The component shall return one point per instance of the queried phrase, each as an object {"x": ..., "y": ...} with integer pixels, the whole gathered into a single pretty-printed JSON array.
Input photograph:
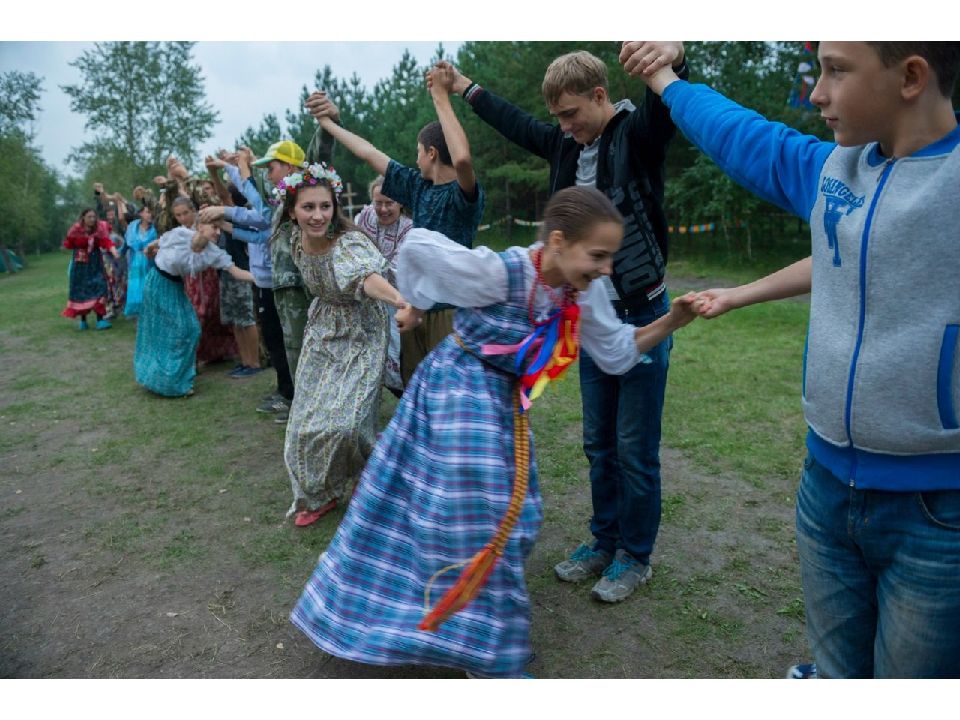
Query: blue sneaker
[
  {"x": 245, "y": 372},
  {"x": 103, "y": 325},
  {"x": 82, "y": 325},
  {"x": 803, "y": 671}
]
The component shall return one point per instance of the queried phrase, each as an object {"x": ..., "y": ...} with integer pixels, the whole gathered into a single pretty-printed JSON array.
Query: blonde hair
[
  {"x": 577, "y": 73},
  {"x": 377, "y": 182}
]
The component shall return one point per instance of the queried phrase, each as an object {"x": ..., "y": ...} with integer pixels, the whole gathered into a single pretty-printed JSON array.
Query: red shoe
[{"x": 309, "y": 517}]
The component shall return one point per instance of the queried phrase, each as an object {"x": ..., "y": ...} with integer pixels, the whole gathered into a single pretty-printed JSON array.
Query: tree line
[{"x": 145, "y": 100}]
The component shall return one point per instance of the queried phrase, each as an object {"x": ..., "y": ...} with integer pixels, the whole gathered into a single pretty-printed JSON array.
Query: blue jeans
[
  {"x": 621, "y": 439},
  {"x": 881, "y": 578}
]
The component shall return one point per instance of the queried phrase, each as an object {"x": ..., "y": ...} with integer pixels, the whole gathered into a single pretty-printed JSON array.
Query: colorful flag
[{"x": 805, "y": 79}]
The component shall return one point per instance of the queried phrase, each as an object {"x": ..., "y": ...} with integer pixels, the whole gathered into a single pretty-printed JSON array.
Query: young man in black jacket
[{"x": 619, "y": 149}]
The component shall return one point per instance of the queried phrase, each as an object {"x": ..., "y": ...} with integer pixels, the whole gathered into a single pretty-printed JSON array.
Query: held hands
[
  {"x": 652, "y": 61},
  {"x": 159, "y": 180},
  {"x": 151, "y": 250},
  {"x": 322, "y": 107},
  {"x": 245, "y": 157},
  {"x": 408, "y": 317},
  {"x": 211, "y": 214},
  {"x": 214, "y": 163},
  {"x": 440, "y": 79},
  {"x": 230, "y": 158},
  {"x": 715, "y": 302},
  {"x": 98, "y": 187},
  {"x": 175, "y": 169},
  {"x": 684, "y": 309}
]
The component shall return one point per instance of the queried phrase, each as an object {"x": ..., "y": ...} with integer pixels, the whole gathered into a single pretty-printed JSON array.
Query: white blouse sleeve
[
  {"x": 211, "y": 256},
  {"x": 609, "y": 341},
  {"x": 432, "y": 269},
  {"x": 178, "y": 258}
]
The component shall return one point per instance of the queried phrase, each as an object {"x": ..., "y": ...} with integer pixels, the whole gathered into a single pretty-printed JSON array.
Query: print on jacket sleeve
[{"x": 840, "y": 201}]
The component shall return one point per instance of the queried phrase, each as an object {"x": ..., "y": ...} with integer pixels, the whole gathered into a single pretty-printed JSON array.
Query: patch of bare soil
[{"x": 137, "y": 564}]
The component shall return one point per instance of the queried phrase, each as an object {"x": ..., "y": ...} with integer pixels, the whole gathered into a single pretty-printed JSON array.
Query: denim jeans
[
  {"x": 881, "y": 578},
  {"x": 621, "y": 439}
]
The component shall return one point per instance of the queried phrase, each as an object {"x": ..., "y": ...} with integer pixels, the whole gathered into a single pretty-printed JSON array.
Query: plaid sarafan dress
[{"x": 433, "y": 493}]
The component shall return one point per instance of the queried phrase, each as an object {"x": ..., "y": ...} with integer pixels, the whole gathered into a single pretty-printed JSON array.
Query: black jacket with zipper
[{"x": 630, "y": 171}]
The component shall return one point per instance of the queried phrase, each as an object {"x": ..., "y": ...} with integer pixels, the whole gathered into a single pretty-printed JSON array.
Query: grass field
[{"x": 144, "y": 537}]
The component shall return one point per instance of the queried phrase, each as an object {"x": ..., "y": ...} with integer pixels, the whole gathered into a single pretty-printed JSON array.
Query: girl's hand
[
  {"x": 683, "y": 310},
  {"x": 408, "y": 317}
]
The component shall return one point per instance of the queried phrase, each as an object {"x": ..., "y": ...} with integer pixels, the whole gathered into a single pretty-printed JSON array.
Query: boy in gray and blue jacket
[{"x": 878, "y": 508}]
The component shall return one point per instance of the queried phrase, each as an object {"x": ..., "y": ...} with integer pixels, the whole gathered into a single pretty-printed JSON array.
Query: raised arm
[
  {"x": 440, "y": 84},
  {"x": 516, "y": 125},
  {"x": 214, "y": 165},
  {"x": 320, "y": 107}
]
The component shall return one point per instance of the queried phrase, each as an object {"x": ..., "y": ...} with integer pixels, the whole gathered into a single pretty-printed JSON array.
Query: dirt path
[{"x": 135, "y": 544}]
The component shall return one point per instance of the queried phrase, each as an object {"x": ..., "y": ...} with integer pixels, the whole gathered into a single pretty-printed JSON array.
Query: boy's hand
[
  {"x": 408, "y": 317},
  {"x": 715, "y": 302},
  {"x": 321, "y": 106},
  {"x": 440, "y": 78},
  {"x": 460, "y": 81},
  {"x": 98, "y": 187},
  {"x": 645, "y": 57}
]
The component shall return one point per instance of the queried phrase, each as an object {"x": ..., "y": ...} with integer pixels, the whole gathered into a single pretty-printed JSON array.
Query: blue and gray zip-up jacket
[{"x": 881, "y": 377}]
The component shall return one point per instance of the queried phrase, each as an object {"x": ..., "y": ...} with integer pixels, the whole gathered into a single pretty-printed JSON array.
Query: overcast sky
[
  {"x": 243, "y": 80},
  {"x": 246, "y": 80}
]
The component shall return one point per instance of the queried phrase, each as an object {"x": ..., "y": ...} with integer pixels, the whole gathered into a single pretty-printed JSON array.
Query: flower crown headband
[{"x": 310, "y": 175}]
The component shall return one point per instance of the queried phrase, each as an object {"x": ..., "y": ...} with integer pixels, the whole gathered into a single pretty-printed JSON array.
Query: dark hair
[
  {"x": 943, "y": 58},
  {"x": 84, "y": 212},
  {"x": 574, "y": 211},
  {"x": 238, "y": 197},
  {"x": 341, "y": 223},
  {"x": 431, "y": 136}
]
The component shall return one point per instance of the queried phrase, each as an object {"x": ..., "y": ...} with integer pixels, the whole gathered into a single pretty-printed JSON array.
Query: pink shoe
[{"x": 309, "y": 517}]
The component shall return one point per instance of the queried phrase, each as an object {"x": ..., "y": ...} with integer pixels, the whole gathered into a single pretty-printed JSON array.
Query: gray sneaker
[
  {"x": 273, "y": 404},
  {"x": 583, "y": 563},
  {"x": 281, "y": 417},
  {"x": 621, "y": 578}
]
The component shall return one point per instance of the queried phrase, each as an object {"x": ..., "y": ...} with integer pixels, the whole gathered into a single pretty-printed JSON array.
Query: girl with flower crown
[
  {"x": 426, "y": 567},
  {"x": 332, "y": 425}
]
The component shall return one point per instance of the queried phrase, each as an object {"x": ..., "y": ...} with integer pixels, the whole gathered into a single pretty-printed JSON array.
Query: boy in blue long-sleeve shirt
[
  {"x": 878, "y": 508},
  {"x": 252, "y": 226}
]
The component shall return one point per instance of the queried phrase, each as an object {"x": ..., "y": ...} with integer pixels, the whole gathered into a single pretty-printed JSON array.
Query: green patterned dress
[{"x": 332, "y": 426}]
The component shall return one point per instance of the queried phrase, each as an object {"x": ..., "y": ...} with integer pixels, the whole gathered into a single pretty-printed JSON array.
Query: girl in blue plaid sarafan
[{"x": 450, "y": 479}]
